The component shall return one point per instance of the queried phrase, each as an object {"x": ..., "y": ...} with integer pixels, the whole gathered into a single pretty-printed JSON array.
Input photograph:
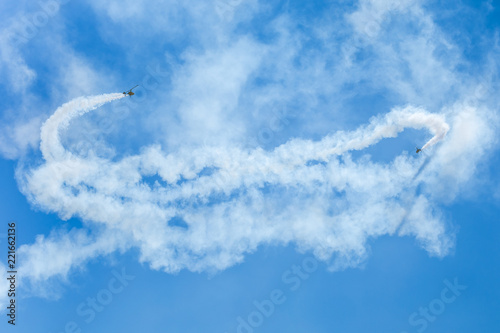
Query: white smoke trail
[
  {"x": 234, "y": 167},
  {"x": 50, "y": 144},
  {"x": 281, "y": 166},
  {"x": 439, "y": 133},
  {"x": 226, "y": 211},
  {"x": 389, "y": 126}
]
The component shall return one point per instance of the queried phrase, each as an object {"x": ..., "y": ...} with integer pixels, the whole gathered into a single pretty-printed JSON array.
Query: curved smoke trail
[
  {"x": 50, "y": 144},
  {"x": 388, "y": 126}
]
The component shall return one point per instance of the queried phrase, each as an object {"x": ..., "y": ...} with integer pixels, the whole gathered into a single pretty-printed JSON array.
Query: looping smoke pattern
[{"x": 204, "y": 209}]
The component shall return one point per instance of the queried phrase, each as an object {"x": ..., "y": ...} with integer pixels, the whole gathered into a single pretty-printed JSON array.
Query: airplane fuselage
[{"x": 130, "y": 93}]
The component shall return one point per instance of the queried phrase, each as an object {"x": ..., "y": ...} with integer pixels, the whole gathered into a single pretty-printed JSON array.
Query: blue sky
[{"x": 263, "y": 178}]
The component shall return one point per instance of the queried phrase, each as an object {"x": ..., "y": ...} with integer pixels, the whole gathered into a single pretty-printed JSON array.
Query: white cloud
[
  {"x": 470, "y": 140},
  {"x": 16, "y": 139},
  {"x": 208, "y": 89},
  {"x": 12, "y": 64}
]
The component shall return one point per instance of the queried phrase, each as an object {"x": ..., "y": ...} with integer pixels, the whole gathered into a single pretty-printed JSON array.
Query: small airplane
[
  {"x": 130, "y": 93},
  {"x": 418, "y": 150}
]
